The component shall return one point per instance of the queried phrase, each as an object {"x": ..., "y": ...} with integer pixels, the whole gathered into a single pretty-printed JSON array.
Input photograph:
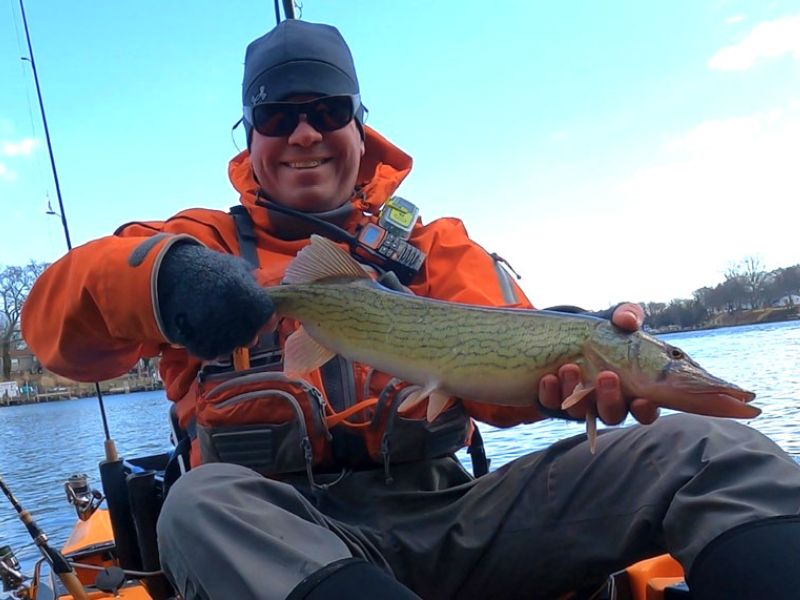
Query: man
[{"x": 358, "y": 500}]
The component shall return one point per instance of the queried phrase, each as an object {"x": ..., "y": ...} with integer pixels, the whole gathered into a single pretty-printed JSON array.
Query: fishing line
[{"x": 25, "y": 75}]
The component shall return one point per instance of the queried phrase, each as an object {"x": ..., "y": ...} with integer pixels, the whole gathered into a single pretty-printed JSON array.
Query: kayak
[{"x": 91, "y": 550}]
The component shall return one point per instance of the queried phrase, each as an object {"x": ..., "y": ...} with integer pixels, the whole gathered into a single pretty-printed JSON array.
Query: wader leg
[
  {"x": 350, "y": 579},
  {"x": 226, "y": 532},
  {"x": 758, "y": 559},
  {"x": 573, "y": 518}
]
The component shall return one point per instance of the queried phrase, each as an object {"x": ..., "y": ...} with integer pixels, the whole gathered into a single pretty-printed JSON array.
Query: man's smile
[{"x": 306, "y": 164}]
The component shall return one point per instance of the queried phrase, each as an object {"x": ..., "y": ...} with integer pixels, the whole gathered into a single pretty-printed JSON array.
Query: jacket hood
[{"x": 383, "y": 168}]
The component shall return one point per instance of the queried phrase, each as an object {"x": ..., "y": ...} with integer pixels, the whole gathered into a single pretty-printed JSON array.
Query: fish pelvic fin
[
  {"x": 322, "y": 259},
  {"x": 303, "y": 354},
  {"x": 591, "y": 427},
  {"x": 579, "y": 393}
]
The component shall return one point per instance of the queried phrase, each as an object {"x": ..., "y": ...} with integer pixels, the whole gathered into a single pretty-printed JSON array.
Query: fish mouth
[{"x": 718, "y": 402}]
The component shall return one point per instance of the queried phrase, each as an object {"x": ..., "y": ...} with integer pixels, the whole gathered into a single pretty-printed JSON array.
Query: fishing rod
[
  {"x": 288, "y": 10},
  {"x": 110, "y": 447},
  {"x": 58, "y": 563}
]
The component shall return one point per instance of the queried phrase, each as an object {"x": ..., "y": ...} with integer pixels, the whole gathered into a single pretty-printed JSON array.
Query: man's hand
[
  {"x": 209, "y": 302},
  {"x": 612, "y": 406}
]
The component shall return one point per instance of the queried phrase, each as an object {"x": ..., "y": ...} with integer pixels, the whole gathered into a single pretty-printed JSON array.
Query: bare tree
[
  {"x": 755, "y": 278},
  {"x": 15, "y": 285}
]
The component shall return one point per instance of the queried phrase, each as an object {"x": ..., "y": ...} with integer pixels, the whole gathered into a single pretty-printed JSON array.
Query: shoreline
[
  {"x": 48, "y": 387},
  {"x": 736, "y": 319}
]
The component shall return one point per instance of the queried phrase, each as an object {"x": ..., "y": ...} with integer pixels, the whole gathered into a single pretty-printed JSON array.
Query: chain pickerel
[{"x": 491, "y": 355}]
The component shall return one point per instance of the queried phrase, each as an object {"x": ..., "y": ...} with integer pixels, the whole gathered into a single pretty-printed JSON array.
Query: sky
[{"x": 609, "y": 151}]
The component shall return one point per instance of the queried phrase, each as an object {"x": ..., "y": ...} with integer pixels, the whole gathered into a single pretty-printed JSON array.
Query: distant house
[
  {"x": 788, "y": 300},
  {"x": 22, "y": 358}
]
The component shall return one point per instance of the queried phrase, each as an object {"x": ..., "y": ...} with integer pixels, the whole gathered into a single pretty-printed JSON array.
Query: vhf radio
[
  {"x": 389, "y": 238},
  {"x": 385, "y": 242}
]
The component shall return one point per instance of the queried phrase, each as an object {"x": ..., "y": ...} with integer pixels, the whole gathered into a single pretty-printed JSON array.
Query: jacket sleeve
[
  {"x": 92, "y": 314},
  {"x": 459, "y": 270}
]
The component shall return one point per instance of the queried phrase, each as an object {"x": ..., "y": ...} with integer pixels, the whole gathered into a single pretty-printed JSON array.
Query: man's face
[{"x": 308, "y": 170}]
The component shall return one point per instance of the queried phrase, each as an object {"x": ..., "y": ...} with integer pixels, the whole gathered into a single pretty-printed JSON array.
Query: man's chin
[{"x": 316, "y": 201}]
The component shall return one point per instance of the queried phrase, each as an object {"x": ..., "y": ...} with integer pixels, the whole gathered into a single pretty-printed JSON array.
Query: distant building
[
  {"x": 22, "y": 358},
  {"x": 788, "y": 300},
  {"x": 8, "y": 389}
]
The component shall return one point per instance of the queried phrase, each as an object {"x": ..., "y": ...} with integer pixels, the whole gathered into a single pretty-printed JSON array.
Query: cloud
[
  {"x": 711, "y": 194},
  {"x": 734, "y": 19},
  {"x": 770, "y": 39},
  {"x": 740, "y": 159},
  {"x": 24, "y": 147},
  {"x": 6, "y": 173},
  {"x": 728, "y": 187}
]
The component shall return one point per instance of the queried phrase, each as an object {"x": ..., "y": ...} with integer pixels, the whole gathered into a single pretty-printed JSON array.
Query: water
[{"x": 41, "y": 445}]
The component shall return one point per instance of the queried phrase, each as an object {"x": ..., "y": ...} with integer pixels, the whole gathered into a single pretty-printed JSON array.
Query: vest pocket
[{"x": 258, "y": 420}]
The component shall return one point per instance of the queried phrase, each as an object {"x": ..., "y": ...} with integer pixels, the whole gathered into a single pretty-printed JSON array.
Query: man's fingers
[
  {"x": 550, "y": 392},
  {"x": 569, "y": 375},
  {"x": 644, "y": 411},
  {"x": 628, "y": 316},
  {"x": 610, "y": 402},
  {"x": 554, "y": 389}
]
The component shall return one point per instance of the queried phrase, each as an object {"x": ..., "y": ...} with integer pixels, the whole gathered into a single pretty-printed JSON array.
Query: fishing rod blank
[{"x": 57, "y": 561}]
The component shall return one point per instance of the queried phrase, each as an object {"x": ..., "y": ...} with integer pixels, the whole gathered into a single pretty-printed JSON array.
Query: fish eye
[{"x": 676, "y": 353}]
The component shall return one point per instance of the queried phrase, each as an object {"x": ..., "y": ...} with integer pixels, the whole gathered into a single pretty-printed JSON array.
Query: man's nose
[{"x": 304, "y": 134}]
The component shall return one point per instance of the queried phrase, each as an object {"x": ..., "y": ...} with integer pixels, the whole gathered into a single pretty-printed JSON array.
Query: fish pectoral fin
[
  {"x": 579, "y": 393},
  {"x": 302, "y": 353},
  {"x": 436, "y": 405},
  {"x": 322, "y": 259}
]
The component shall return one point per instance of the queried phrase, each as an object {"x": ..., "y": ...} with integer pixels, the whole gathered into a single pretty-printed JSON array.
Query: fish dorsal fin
[
  {"x": 322, "y": 259},
  {"x": 303, "y": 354}
]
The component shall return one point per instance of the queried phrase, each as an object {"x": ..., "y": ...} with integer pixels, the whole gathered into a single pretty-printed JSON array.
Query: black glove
[{"x": 209, "y": 302}]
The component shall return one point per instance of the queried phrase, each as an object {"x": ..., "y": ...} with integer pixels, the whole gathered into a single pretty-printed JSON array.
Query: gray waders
[{"x": 544, "y": 524}]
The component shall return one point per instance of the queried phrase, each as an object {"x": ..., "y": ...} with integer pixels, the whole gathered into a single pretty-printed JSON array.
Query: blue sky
[{"x": 609, "y": 151}]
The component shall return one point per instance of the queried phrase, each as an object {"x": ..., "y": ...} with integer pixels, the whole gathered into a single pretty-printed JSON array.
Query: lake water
[{"x": 42, "y": 445}]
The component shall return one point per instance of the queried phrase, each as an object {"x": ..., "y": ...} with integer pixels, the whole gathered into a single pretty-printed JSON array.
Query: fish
[{"x": 484, "y": 354}]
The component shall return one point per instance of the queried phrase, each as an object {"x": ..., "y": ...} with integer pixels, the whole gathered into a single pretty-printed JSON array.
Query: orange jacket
[{"x": 93, "y": 313}]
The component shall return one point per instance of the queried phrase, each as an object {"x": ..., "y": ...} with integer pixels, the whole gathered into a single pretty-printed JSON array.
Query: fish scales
[{"x": 466, "y": 342}]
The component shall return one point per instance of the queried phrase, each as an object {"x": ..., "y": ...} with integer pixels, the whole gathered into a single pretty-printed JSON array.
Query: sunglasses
[{"x": 279, "y": 119}]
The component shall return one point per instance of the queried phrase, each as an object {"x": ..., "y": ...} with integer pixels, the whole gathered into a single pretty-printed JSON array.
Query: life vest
[{"x": 343, "y": 416}]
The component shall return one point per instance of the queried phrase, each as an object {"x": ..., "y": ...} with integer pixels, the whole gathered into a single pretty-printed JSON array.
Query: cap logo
[{"x": 260, "y": 97}]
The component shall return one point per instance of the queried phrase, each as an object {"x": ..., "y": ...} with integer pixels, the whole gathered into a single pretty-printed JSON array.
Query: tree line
[{"x": 747, "y": 286}]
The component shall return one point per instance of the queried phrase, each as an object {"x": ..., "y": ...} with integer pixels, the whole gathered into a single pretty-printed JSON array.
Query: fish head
[{"x": 663, "y": 373}]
